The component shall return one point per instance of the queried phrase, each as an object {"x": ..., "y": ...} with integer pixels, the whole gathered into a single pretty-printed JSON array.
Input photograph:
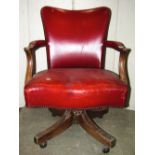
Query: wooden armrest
[
  {"x": 117, "y": 46},
  {"x": 123, "y": 73},
  {"x": 31, "y": 60}
]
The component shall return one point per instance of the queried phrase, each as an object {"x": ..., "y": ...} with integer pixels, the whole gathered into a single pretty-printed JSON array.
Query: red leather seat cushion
[{"x": 75, "y": 88}]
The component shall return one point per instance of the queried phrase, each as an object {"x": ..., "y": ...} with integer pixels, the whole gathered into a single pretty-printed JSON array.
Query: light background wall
[{"x": 121, "y": 29}]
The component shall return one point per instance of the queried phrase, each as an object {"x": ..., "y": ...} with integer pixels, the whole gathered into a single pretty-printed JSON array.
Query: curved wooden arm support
[
  {"x": 123, "y": 74},
  {"x": 31, "y": 60}
]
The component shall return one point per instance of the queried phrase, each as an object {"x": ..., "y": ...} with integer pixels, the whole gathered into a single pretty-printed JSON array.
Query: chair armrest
[
  {"x": 31, "y": 59},
  {"x": 123, "y": 73}
]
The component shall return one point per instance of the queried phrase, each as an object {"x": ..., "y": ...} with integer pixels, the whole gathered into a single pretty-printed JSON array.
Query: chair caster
[
  {"x": 106, "y": 149},
  {"x": 43, "y": 145}
]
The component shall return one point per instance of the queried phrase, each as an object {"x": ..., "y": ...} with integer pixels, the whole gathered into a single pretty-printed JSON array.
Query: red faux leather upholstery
[
  {"x": 75, "y": 88},
  {"x": 75, "y": 38}
]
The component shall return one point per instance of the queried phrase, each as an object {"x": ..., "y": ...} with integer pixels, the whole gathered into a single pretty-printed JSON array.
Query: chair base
[{"x": 85, "y": 122}]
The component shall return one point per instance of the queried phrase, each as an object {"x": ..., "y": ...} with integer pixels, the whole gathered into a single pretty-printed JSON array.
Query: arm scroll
[
  {"x": 123, "y": 74},
  {"x": 31, "y": 60}
]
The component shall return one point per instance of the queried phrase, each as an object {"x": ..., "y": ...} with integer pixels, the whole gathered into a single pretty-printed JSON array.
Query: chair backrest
[{"x": 75, "y": 38}]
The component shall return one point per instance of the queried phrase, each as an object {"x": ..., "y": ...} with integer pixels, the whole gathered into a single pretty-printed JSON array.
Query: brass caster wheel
[
  {"x": 43, "y": 145},
  {"x": 106, "y": 149}
]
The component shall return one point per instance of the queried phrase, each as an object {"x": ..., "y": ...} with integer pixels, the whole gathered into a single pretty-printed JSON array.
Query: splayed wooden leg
[
  {"x": 60, "y": 126},
  {"x": 94, "y": 130}
]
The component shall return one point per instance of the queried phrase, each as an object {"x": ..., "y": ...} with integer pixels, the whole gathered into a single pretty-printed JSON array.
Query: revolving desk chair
[{"x": 76, "y": 80}]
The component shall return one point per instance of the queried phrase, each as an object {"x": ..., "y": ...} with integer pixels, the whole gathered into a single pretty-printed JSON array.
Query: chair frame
[{"x": 81, "y": 116}]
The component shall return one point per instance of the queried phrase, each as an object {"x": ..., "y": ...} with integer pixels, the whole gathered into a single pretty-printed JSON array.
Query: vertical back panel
[{"x": 75, "y": 38}]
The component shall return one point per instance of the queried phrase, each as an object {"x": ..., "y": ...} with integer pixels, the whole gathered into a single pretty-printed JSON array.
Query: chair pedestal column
[{"x": 92, "y": 113}]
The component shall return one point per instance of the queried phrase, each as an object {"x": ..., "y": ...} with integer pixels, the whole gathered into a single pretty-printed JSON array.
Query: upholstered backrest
[{"x": 75, "y": 38}]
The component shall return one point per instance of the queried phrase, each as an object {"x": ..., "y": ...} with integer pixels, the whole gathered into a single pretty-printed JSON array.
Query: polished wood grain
[
  {"x": 118, "y": 46},
  {"x": 60, "y": 126},
  {"x": 94, "y": 130},
  {"x": 31, "y": 58},
  {"x": 30, "y": 66},
  {"x": 123, "y": 73}
]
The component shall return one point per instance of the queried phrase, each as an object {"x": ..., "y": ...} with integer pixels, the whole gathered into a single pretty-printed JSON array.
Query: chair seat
[{"x": 75, "y": 88}]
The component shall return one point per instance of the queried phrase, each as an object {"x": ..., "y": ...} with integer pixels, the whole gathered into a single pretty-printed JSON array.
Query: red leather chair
[{"x": 76, "y": 80}]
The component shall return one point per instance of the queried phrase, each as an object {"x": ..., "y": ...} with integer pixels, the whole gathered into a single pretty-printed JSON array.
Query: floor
[{"x": 75, "y": 141}]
